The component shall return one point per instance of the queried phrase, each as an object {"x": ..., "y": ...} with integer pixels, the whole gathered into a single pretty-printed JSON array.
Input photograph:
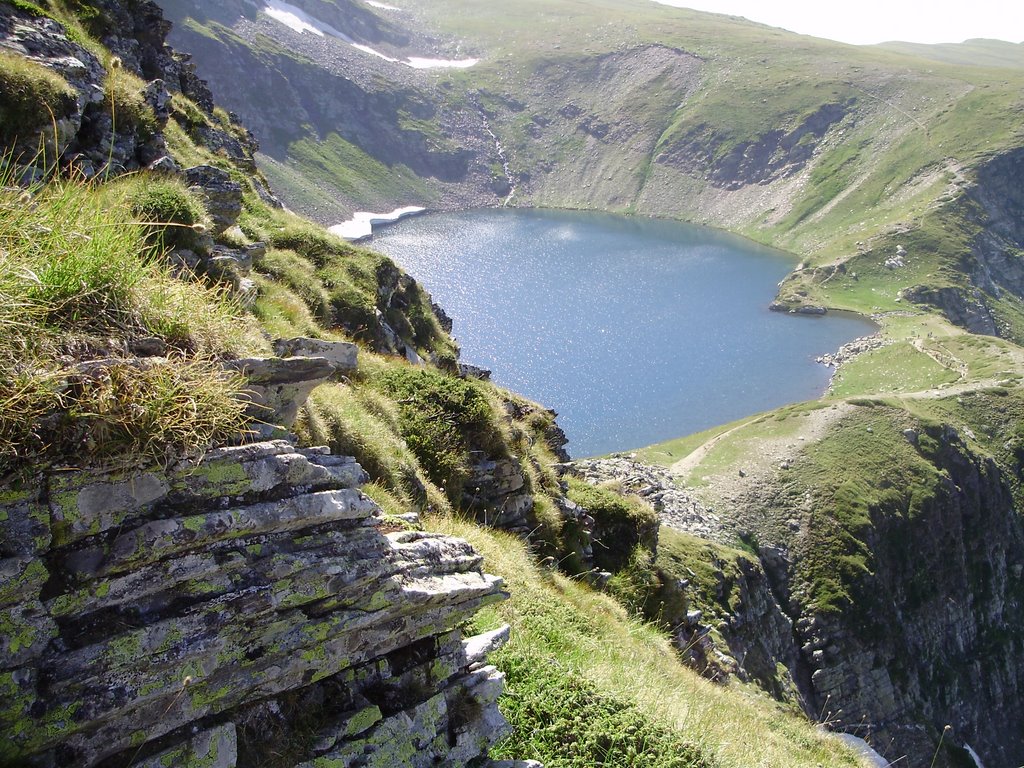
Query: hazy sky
[{"x": 876, "y": 21}]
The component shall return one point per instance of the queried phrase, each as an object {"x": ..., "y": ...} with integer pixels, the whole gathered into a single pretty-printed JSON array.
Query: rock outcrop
[
  {"x": 926, "y": 640},
  {"x": 929, "y": 640},
  {"x": 256, "y": 601},
  {"x": 967, "y": 308},
  {"x": 775, "y": 154},
  {"x": 103, "y": 129},
  {"x": 252, "y": 606},
  {"x": 675, "y": 507}
]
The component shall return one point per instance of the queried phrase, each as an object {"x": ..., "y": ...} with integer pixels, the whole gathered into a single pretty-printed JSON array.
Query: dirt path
[
  {"x": 943, "y": 357},
  {"x": 686, "y": 464},
  {"x": 763, "y": 455},
  {"x": 763, "y": 458}
]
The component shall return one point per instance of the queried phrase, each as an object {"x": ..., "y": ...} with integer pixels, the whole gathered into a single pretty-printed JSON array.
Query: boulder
[
  {"x": 342, "y": 355},
  {"x": 468, "y": 371},
  {"x": 278, "y": 387},
  {"x": 222, "y": 196}
]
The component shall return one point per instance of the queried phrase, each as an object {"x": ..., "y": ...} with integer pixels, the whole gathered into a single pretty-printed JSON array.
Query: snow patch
[
  {"x": 372, "y": 52},
  {"x": 865, "y": 750},
  {"x": 382, "y": 6},
  {"x": 298, "y": 20},
  {"x": 974, "y": 756},
  {"x": 362, "y": 222}
]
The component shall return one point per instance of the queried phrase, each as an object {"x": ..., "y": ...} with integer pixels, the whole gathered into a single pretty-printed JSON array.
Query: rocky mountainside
[
  {"x": 634, "y": 107},
  {"x": 879, "y": 642},
  {"x": 244, "y": 605}
]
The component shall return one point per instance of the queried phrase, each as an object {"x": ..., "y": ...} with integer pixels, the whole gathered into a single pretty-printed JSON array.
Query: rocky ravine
[{"x": 929, "y": 640}]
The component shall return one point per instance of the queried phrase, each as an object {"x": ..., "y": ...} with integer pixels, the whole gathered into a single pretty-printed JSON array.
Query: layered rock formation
[{"x": 254, "y": 604}]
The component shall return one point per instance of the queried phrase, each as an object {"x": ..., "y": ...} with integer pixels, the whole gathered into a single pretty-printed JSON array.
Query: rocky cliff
[
  {"x": 883, "y": 603},
  {"x": 252, "y": 608},
  {"x": 249, "y": 605},
  {"x": 378, "y": 132}
]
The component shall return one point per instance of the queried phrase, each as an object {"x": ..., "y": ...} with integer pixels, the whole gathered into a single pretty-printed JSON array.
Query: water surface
[{"x": 635, "y": 330}]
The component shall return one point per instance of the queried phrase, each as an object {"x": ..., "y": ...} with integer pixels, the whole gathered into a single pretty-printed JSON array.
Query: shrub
[
  {"x": 442, "y": 418},
  {"x": 32, "y": 97},
  {"x": 622, "y": 524},
  {"x": 171, "y": 215}
]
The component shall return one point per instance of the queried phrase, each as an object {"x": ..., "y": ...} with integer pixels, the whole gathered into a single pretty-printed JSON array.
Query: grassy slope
[
  {"x": 848, "y": 452},
  {"x": 309, "y": 283},
  {"x": 576, "y": 634}
]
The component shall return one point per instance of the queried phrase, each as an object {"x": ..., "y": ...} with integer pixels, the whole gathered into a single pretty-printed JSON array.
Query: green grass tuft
[
  {"x": 622, "y": 524},
  {"x": 173, "y": 217},
  {"x": 32, "y": 97},
  {"x": 79, "y": 283},
  {"x": 441, "y": 419}
]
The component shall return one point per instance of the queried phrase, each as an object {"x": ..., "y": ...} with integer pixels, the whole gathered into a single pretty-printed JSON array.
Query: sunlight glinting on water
[{"x": 634, "y": 330}]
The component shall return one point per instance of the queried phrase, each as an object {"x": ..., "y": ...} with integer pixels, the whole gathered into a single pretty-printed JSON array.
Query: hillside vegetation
[{"x": 144, "y": 259}]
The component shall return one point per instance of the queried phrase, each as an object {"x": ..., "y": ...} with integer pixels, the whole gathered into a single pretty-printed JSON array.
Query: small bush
[
  {"x": 171, "y": 215},
  {"x": 441, "y": 419},
  {"x": 32, "y": 97},
  {"x": 622, "y": 524}
]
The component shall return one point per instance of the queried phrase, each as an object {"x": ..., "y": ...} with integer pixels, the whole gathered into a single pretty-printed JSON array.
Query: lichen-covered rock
[
  {"x": 174, "y": 610},
  {"x": 82, "y": 133},
  {"x": 222, "y": 196},
  {"x": 215, "y": 748},
  {"x": 342, "y": 355},
  {"x": 278, "y": 387}
]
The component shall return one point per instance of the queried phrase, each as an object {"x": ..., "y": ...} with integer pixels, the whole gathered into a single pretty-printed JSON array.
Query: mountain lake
[{"x": 634, "y": 330}]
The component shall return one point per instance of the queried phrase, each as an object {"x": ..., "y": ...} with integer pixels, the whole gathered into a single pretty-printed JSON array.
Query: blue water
[{"x": 635, "y": 330}]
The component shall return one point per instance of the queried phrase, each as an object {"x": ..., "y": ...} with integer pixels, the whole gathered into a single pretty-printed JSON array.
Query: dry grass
[{"x": 79, "y": 282}]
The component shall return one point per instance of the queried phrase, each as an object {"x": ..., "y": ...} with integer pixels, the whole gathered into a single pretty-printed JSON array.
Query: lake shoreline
[{"x": 635, "y": 329}]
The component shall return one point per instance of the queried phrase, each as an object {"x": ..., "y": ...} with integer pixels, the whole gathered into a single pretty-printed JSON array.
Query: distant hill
[{"x": 978, "y": 52}]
